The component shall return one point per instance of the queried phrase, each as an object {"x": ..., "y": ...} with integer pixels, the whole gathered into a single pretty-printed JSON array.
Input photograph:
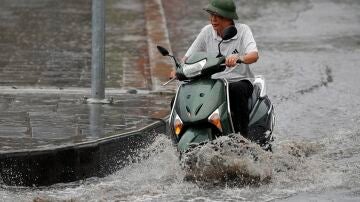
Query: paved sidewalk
[
  {"x": 32, "y": 121},
  {"x": 45, "y": 52}
]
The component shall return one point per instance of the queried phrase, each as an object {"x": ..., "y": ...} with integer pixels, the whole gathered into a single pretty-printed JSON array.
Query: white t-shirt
[{"x": 242, "y": 43}]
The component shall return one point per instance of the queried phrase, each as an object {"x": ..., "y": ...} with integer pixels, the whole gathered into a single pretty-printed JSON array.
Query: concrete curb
[
  {"x": 70, "y": 163},
  {"x": 43, "y": 167}
]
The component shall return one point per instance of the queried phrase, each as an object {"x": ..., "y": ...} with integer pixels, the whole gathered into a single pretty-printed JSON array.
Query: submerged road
[{"x": 309, "y": 53}]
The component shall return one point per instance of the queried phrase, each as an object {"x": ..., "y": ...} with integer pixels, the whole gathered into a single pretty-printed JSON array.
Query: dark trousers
[{"x": 239, "y": 95}]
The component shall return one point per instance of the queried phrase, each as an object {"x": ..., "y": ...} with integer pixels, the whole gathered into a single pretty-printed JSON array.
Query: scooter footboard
[{"x": 194, "y": 135}]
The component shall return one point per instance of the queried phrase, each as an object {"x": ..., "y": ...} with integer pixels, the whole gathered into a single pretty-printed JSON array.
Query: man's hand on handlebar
[
  {"x": 172, "y": 74},
  {"x": 233, "y": 59}
]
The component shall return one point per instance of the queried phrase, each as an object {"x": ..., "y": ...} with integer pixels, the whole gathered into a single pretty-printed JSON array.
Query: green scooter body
[{"x": 195, "y": 102}]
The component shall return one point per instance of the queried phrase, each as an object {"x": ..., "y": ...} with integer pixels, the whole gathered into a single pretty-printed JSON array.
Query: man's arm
[{"x": 248, "y": 58}]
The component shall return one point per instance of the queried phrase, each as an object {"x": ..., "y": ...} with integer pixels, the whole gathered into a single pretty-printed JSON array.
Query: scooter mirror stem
[
  {"x": 219, "y": 54},
  {"x": 176, "y": 62}
]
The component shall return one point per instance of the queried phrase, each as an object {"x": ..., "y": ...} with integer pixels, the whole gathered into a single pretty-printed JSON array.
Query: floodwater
[{"x": 310, "y": 55}]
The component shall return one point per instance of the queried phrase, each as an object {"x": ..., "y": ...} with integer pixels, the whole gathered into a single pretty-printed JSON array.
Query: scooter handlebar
[{"x": 238, "y": 61}]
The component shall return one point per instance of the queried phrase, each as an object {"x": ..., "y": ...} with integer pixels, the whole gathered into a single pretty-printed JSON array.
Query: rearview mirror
[
  {"x": 229, "y": 32},
  {"x": 163, "y": 51}
]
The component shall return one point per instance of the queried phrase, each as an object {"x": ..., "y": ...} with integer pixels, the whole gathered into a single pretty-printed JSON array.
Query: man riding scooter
[{"x": 240, "y": 47}]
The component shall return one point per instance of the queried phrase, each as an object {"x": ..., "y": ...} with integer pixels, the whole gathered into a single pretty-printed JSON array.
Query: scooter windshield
[{"x": 192, "y": 70}]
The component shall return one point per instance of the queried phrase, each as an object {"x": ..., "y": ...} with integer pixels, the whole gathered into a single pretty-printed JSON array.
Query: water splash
[
  {"x": 230, "y": 160},
  {"x": 235, "y": 161},
  {"x": 291, "y": 155},
  {"x": 227, "y": 168}
]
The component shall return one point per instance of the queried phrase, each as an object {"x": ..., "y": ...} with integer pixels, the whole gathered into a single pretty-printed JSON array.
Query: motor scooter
[{"x": 201, "y": 108}]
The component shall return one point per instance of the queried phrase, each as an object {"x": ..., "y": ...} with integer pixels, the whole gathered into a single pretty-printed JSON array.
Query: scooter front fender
[{"x": 193, "y": 135}]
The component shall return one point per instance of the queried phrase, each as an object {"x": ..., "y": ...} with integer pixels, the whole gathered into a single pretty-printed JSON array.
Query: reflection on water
[{"x": 96, "y": 120}]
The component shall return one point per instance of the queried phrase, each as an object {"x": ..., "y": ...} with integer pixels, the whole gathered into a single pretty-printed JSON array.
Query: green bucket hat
[{"x": 223, "y": 8}]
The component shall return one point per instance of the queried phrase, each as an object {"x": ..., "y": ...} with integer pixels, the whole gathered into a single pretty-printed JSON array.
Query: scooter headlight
[
  {"x": 192, "y": 70},
  {"x": 178, "y": 125},
  {"x": 214, "y": 118}
]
